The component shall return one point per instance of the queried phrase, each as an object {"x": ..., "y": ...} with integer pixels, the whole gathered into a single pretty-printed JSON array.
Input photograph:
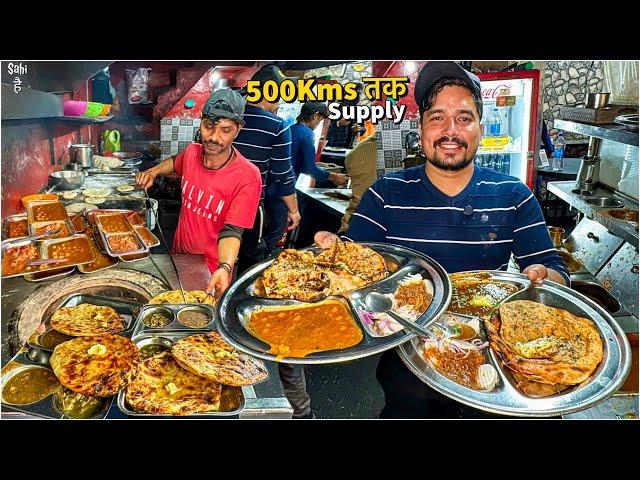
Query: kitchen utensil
[
  {"x": 597, "y": 100},
  {"x": 556, "y": 236},
  {"x": 82, "y": 153},
  {"x": 68, "y": 179},
  {"x": 377, "y": 302}
]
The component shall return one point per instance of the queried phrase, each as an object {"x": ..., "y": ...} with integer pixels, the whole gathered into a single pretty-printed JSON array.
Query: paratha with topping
[
  {"x": 97, "y": 366},
  {"x": 209, "y": 356},
  {"x": 545, "y": 344},
  {"x": 163, "y": 387},
  {"x": 175, "y": 297},
  {"x": 85, "y": 320}
]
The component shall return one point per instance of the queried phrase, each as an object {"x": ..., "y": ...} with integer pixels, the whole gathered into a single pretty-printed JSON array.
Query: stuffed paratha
[
  {"x": 161, "y": 386},
  {"x": 175, "y": 297},
  {"x": 97, "y": 366},
  {"x": 87, "y": 320},
  {"x": 545, "y": 344},
  {"x": 209, "y": 356}
]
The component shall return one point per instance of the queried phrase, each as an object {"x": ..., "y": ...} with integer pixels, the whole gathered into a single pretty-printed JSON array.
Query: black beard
[{"x": 453, "y": 167}]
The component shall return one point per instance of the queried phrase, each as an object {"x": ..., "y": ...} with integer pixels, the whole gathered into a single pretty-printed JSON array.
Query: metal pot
[
  {"x": 597, "y": 100},
  {"x": 68, "y": 179},
  {"x": 83, "y": 154}
]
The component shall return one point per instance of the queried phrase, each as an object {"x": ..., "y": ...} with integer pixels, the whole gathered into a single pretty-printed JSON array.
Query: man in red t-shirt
[{"x": 220, "y": 189}]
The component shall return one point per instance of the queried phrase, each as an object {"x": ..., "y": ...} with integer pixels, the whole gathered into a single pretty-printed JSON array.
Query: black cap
[
  {"x": 270, "y": 72},
  {"x": 225, "y": 103},
  {"x": 309, "y": 108},
  {"x": 434, "y": 71}
]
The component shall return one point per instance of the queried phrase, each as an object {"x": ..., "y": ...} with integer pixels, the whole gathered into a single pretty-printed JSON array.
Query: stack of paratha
[
  {"x": 87, "y": 320},
  {"x": 175, "y": 297},
  {"x": 549, "y": 349},
  {"x": 97, "y": 366},
  {"x": 164, "y": 387},
  {"x": 189, "y": 379},
  {"x": 341, "y": 268}
]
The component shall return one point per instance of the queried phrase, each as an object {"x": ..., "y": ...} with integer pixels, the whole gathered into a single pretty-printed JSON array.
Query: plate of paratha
[
  {"x": 304, "y": 287},
  {"x": 97, "y": 366},
  {"x": 162, "y": 387},
  {"x": 86, "y": 320},
  {"x": 555, "y": 352}
]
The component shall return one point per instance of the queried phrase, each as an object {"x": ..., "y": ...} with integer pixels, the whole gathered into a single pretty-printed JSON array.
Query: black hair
[
  {"x": 216, "y": 119},
  {"x": 437, "y": 87}
]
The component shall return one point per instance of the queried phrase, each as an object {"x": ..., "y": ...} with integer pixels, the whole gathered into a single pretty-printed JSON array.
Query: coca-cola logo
[{"x": 491, "y": 93}]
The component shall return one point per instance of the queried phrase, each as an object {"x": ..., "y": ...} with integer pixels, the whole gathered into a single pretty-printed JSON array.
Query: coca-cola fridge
[{"x": 510, "y": 123}]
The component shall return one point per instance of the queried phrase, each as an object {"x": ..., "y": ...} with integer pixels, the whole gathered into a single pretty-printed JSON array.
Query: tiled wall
[
  {"x": 176, "y": 134},
  {"x": 390, "y": 139}
]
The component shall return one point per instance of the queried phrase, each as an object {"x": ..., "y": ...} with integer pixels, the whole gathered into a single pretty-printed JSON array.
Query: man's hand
[
  {"x": 355, "y": 128},
  {"x": 219, "y": 282},
  {"x": 145, "y": 179},
  {"x": 343, "y": 122},
  {"x": 339, "y": 179},
  {"x": 536, "y": 273},
  {"x": 293, "y": 220},
  {"x": 325, "y": 239}
]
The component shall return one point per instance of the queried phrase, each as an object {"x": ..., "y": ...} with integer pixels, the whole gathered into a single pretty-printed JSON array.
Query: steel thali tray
[
  {"x": 232, "y": 401},
  {"x": 234, "y": 308},
  {"x": 505, "y": 399}
]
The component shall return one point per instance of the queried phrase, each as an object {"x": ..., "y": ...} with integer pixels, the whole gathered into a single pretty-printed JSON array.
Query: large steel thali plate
[
  {"x": 234, "y": 308},
  {"x": 505, "y": 399}
]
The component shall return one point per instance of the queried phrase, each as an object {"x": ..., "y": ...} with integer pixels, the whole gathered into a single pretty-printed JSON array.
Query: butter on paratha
[
  {"x": 86, "y": 320},
  {"x": 545, "y": 344},
  {"x": 97, "y": 366},
  {"x": 209, "y": 356},
  {"x": 163, "y": 387},
  {"x": 175, "y": 297}
]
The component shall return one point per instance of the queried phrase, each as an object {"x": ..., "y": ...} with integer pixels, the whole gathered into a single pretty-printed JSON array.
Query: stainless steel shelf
[
  {"x": 616, "y": 133},
  {"x": 624, "y": 230}
]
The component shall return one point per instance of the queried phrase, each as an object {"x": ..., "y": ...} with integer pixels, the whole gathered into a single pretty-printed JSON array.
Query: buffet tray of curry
[
  {"x": 511, "y": 348},
  {"x": 308, "y": 306},
  {"x": 29, "y": 256}
]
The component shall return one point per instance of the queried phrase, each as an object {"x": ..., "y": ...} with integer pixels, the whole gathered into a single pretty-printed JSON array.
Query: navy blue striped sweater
[
  {"x": 265, "y": 140},
  {"x": 479, "y": 228}
]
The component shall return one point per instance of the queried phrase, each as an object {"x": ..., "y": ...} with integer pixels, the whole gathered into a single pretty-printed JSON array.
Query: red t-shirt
[{"x": 211, "y": 198}]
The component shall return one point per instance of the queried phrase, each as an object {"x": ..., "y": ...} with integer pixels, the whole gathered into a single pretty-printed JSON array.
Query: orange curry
[{"x": 298, "y": 331}]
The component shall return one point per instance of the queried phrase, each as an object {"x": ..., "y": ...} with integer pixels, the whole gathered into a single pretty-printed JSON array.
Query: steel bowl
[{"x": 68, "y": 179}]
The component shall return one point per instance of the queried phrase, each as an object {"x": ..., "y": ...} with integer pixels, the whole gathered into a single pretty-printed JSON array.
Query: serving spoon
[{"x": 377, "y": 302}]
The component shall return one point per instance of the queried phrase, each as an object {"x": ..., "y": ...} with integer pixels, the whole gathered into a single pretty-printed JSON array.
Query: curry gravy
[
  {"x": 479, "y": 298},
  {"x": 30, "y": 386},
  {"x": 301, "y": 330}
]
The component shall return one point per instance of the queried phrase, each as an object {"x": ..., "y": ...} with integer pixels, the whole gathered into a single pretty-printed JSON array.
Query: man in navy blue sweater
[{"x": 464, "y": 216}]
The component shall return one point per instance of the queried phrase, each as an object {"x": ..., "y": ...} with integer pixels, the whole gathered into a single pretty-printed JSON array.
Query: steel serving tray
[
  {"x": 10, "y": 219},
  {"x": 128, "y": 310},
  {"x": 172, "y": 311},
  {"x": 154, "y": 242},
  {"x": 234, "y": 308},
  {"x": 505, "y": 399},
  {"x": 44, "y": 245},
  {"x": 84, "y": 268},
  {"x": 34, "y": 357},
  {"x": 232, "y": 400},
  {"x": 50, "y": 274},
  {"x": 35, "y": 225},
  {"x": 31, "y": 206}
]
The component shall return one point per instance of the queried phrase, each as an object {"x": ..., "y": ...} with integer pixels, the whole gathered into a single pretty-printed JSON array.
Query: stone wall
[{"x": 566, "y": 83}]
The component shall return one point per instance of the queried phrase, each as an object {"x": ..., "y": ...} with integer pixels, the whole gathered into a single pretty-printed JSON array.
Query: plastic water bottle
[
  {"x": 495, "y": 122},
  {"x": 558, "y": 152}
]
